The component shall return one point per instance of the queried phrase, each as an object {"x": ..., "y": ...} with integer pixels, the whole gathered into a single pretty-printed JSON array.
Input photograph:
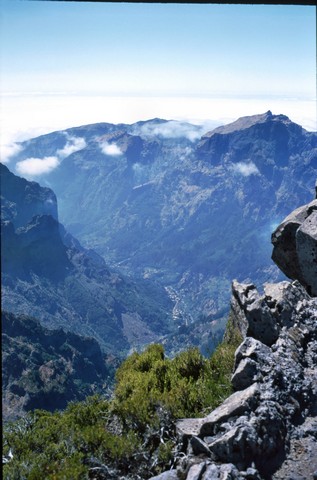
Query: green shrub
[
  {"x": 57, "y": 445},
  {"x": 187, "y": 385},
  {"x": 151, "y": 392}
]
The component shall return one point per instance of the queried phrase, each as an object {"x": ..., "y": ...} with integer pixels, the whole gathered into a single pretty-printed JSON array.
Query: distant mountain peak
[{"x": 244, "y": 123}]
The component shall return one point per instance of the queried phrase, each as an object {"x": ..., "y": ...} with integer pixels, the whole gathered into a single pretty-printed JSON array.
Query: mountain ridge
[
  {"x": 44, "y": 368},
  {"x": 46, "y": 273},
  {"x": 165, "y": 203}
]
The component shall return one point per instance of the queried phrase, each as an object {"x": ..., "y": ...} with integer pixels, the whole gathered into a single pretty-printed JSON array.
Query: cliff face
[
  {"x": 48, "y": 275},
  {"x": 267, "y": 429},
  {"x": 21, "y": 199},
  {"x": 47, "y": 369}
]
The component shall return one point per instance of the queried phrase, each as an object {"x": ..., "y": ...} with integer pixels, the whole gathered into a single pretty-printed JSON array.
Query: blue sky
[{"x": 68, "y": 61}]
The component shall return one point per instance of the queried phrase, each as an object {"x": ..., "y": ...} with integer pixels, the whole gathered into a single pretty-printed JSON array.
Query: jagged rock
[
  {"x": 254, "y": 349},
  {"x": 252, "y": 314},
  {"x": 242, "y": 294},
  {"x": 251, "y": 474},
  {"x": 237, "y": 445},
  {"x": 211, "y": 473},
  {"x": 195, "y": 472},
  {"x": 267, "y": 428},
  {"x": 245, "y": 375},
  {"x": 170, "y": 475},
  {"x": 281, "y": 298},
  {"x": 306, "y": 246},
  {"x": 295, "y": 246},
  {"x": 199, "y": 446},
  {"x": 229, "y": 471},
  {"x": 235, "y": 405}
]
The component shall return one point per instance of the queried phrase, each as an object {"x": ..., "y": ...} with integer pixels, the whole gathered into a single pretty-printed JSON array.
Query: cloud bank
[
  {"x": 246, "y": 168},
  {"x": 172, "y": 129},
  {"x": 32, "y": 167},
  {"x": 9, "y": 150},
  {"x": 37, "y": 166},
  {"x": 74, "y": 144},
  {"x": 110, "y": 149}
]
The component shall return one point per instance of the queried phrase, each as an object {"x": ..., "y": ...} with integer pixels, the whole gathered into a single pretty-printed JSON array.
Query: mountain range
[
  {"x": 165, "y": 219},
  {"x": 161, "y": 201}
]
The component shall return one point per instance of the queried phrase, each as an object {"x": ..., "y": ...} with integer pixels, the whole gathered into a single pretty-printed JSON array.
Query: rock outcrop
[
  {"x": 295, "y": 246},
  {"x": 267, "y": 429}
]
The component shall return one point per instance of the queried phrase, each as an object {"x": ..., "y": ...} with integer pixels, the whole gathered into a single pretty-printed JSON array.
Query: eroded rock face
[{"x": 295, "y": 246}]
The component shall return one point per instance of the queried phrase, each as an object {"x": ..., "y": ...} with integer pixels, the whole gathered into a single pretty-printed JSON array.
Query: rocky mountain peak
[{"x": 244, "y": 123}]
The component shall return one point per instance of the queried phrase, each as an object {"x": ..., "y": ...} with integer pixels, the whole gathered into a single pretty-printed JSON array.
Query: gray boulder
[
  {"x": 252, "y": 314},
  {"x": 169, "y": 475},
  {"x": 233, "y": 406},
  {"x": 295, "y": 246},
  {"x": 245, "y": 374}
]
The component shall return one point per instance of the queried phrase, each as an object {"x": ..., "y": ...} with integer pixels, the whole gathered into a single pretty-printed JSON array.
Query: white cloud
[
  {"x": 74, "y": 144},
  {"x": 246, "y": 169},
  {"x": 37, "y": 166},
  {"x": 110, "y": 149},
  {"x": 9, "y": 150},
  {"x": 172, "y": 129},
  {"x": 25, "y": 116},
  {"x": 32, "y": 167}
]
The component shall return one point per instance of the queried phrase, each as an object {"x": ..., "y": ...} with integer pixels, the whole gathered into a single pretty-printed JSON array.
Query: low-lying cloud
[
  {"x": 9, "y": 150},
  {"x": 32, "y": 167},
  {"x": 74, "y": 144},
  {"x": 110, "y": 149},
  {"x": 172, "y": 129},
  {"x": 246, "y": 168},
  {"x": 37, "y": 166}
]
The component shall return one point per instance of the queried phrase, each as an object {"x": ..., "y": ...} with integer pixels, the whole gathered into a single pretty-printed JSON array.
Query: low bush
[{"x": 131, "y": 434}]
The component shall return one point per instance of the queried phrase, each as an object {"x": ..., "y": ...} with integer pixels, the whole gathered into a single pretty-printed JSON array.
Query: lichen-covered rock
[
  {"x": 254, "y": 349},
  {"x": 199, "y": 446},
  {"x": 258, "y": 426},
  {"x": 169, "y": 475},
  {"x": 252, "y": 314},
  {"x": 195, "y": 472},
  {"x": 245, "y": 375},
  {"x": 239, "y": 443},
  {"x": 306, "y": 247},
  {"x": 281, "y": 298},
  {"x": 235, "y": 405}
]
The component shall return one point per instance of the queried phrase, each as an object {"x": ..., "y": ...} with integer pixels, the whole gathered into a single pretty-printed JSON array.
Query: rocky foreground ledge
[{"x": 267, "y": 429}]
